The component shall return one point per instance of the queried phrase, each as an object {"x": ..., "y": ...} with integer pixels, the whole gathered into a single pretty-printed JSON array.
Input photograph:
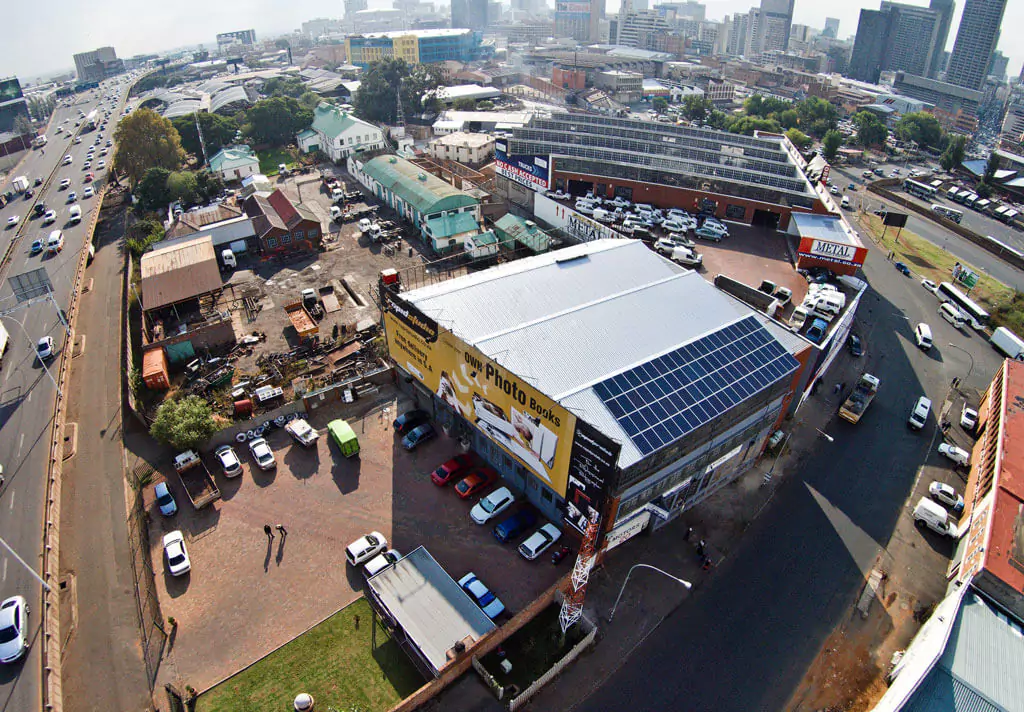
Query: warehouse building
[
  {"x": 444, "y": 215},
  {"x": 749, "y": 179},
  {"x": 545, "y": 367}
]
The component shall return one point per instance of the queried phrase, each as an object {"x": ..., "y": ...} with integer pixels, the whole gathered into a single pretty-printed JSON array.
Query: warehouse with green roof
[{"x": 444, "y": 215}]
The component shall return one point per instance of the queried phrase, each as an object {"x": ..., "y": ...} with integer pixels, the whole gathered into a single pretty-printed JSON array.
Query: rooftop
[
  {"x": 831, "y": 228},
  {"x": 183, "y": 270},
  {"x": 420, "y": 34},
  {"x": 464, "y": 138},
  {"x": 430, "y": 607},
  {"x": 231, "y": 157},
  {"x": 467, "y": 91},
  {"x": 425, "y": 192},
  {"x": 332, "y": 121},
  {"x": 1004, "y": 553}
]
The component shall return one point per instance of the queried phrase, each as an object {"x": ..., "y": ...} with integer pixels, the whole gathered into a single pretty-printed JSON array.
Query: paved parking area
[{"x": 245, "y": 595}]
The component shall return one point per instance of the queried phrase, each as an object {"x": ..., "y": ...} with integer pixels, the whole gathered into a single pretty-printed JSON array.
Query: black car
[
  {"x": 38, "y": 181},
  {"x": 39, "y": 209},
  {"x": 29, "y": 194},
  {"x": 854, "y": 345},
  {"x": 407, "y": 421}
]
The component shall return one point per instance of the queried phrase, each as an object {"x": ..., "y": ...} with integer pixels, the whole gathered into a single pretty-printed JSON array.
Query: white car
[
  {"x": 67, "y": 160},
  {"x": 380, "y": 562},
  {"x": 487, "y": 601},
  {"x": 88, "y": 192},
  {"x": 262, "y": 453},
  {"x": 44, "y": 348},
  {"x": 49, "y": 217},
  {"x": 13, "y": 221},
  {"x": 946, "y": 495},
  {"x": 229, "y": 461},
  {"x": 13, "y": 628},
  {"x": 956, "y": 454},
  {"x": 65, "y": 183},
  {"x": 919, "y": 414},
  {"x": 673, "y": 226},
  {"x": 72, "y": 197},
  {"x": 492, "y": 505},
  {"x": 585, "y": 208},
  {"x": 78, "y": 139},
  {"x": 101, "y": 165},
  {"x": 302, "y": 432},
  {"x": 930, "y": 286},
  {"x": 538, "y": 542},
  {"x": 177, "y": 556},
  {"x": 365, "y": 548},
  {"x": 87, "y": 165},
  {"x": 968, "y": 418}
]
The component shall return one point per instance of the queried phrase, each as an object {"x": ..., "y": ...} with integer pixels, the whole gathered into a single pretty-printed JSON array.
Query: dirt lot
[{"x": 245, "y": 595}]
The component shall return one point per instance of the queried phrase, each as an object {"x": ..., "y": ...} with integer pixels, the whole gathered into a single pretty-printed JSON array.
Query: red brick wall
[{"x": 568, "y": 79}]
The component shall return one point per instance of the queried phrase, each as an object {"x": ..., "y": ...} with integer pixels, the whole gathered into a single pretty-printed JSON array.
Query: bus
[
  {"x": 951, "y": 213},
  {"x": 976, "y": 316},
  {"x": 918, "y": 188}
]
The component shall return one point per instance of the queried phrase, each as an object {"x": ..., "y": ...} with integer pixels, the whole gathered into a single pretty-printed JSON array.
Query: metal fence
[
  {"x": 151, "y": 620},
  {"x": 523, "y": 697}
]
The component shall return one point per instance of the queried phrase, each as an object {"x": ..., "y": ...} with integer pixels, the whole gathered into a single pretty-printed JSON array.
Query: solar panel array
[{"x": 665, "y": 398}]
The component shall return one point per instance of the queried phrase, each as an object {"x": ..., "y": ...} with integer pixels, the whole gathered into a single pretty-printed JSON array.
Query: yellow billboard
[{"x": 531, "y": 427}]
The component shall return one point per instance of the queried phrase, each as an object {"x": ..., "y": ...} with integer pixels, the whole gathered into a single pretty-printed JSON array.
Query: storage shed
[{"x": 154, "y": 370}]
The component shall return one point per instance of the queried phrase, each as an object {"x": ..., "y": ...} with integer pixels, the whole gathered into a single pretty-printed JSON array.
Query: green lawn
[
  {"x": 334, "y": 662},
  {"x": 271, "y": 158}
]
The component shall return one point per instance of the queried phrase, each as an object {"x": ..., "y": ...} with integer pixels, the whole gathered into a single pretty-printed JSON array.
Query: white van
[
  {"x": 845, "y": 203},
  {"x": 932, "y": 515},
  {"x": 919, "y": 414},
  {"x": 75, "y": 214},
  {"x": 55, "y": 242},
  {"x": 227, "y": 258},
  {"x": 602, "y": 215},
  {"x": 923, "y": 336},
  {"x": 951, "y": 314}
]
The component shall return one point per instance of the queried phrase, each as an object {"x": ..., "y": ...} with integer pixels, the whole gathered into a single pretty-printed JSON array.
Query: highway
[{"x": 26, "y": 392}]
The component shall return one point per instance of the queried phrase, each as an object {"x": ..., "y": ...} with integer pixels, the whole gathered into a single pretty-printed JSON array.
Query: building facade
[
  {"x": 579, "y": 19},
  {"x": 97, "y": 65},
  {"x": 414, "y": 46},
  {"x": 776, "y": 24},
  {"x": 12, "y": 105},
  {"x": 233, "y": 163},
  {"x": 339, "y": 134},
  {"x": 462, "y": 147},
  {"x": 945, "y": 9},
  {"x": 281, "y": 226},
  {"x": 956, "y": 107},
  {"x": 897, "y": 37},
  {"x": 227, "y": 41},
  {"x": 975, "y": 42},
  {"x": 470, "y": 13}
]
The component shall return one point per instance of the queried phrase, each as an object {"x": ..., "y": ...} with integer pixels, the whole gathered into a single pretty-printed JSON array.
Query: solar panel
[{"x": 660, "y": 401}]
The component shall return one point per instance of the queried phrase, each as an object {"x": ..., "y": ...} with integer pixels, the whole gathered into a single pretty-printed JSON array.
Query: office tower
[
  {"x": 975, "y": 41},
  {"x": 471, "y": 14},
  {"x": 869, "y": 46},
  {"x": 97, "y": 65},
  {"x": 354, "y": 6},
  {"x": 912, "y": 38},
  {"x": 579, "y": 20},
  {"x": 997, "y": 67},
  {"x": 945, "y": 8},
  {"x": 831, "y": 27},
  {"x": 776, "y": 22}
]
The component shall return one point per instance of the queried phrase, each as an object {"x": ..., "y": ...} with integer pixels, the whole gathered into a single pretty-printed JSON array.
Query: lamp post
[
  {"x": 686, "y": 584},
  {"x": 825, "y": 435},
  {"x": 28, "y": 568},
  {"x": 33, "y": 348},
  {"x": 969, "y": 368}
]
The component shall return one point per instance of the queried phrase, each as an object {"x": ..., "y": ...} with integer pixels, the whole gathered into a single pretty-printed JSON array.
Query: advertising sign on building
[
  {"x": 823, "y": 248},
  {"x": 627, "y": 530},
  {"x": 591, "y": 474},
  {"x": 527, "y": 424},
  {"x": 531, "y": 171},
  {"x": 578, "y": 8}
]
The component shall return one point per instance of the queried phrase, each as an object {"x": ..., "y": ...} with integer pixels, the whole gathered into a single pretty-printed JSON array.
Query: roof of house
[
  {"x": 306, "y": 135},
  {"x": 464, "y": 138},
  {"x": 222, "y": 233},
  {"x": 332, "y": 121},
  {"x": 194, "y": 220},
  {"x": 430, "y": 606},
  {"x": 529, "y": 236},
  {"x": 231, "y": 157},
  {"x": 424, "y": 192},
  {"x": 831, "y": 228},
  {"x": 452, "y": 224},
  {"x": 582, "y": 307},
  {"x": 182, "y": 270},
  {"x": 276, "y": 211}
]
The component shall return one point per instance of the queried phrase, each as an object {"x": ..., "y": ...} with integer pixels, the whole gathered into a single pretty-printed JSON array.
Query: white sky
[{"x": 36, "y": 43}]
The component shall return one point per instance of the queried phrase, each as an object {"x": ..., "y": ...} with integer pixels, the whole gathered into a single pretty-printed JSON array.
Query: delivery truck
[
  {"x": 1008, "y": 343},
  {"x": 20, "y": 184},
  {"x": 863, "y": 393}
]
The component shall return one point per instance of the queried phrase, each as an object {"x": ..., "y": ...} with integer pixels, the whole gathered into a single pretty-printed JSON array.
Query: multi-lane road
[{"x": 26, "y": 391}]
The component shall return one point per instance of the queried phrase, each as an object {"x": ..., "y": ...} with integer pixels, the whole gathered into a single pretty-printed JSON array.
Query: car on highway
[
  {"x": 78, "y": 139},
  {"x": 72, "y": 197},
  {"x": 13, "y": 221},
  {"x": 946, "y": 496},
  {"x": 67, "y": 160},
  {"x": 165, "y": 500},
  {"x": 930, "y": 286},
  {"x": 492, "y": 505},
  {"x": 365, "y": 548},
  {"x": 957, "y": 455},
  {"x": 538, "y": 542},
  {"x": 88, "y": 192},
  {"x": 65, "y": 183},
  {"x": 418, "y": 435},
  {"x": 968, "y": 418},
  {"x": 44, "y": 348},
  {"x": 919, "y": 414},
  {"x": 176, "y": 554},
  {"x": 37, "y": 246},
  {"x": 49, "y": 216},
  {"x": 834, "y": 190},
  {"x": 87, "y": 165},
  {"x": 479, "y": 479},
  {"x": 261, "y": 452},
  {"x": 452, "y": 468},
  {"x": 488, "y": 602},
  {"x": 87, "y": 178},
  {"x": 228, "y": 460},
  {"x": 37, "y": 182},
  {"x": 13, "y": 629}
]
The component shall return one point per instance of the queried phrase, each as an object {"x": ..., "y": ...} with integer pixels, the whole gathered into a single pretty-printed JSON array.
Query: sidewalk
[{"x": 650, "y": 598}]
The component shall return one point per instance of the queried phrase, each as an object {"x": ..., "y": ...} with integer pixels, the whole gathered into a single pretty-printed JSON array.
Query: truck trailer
[
  {"x": 1008, "y": 343},
  {"x": 863, "y": 393}
]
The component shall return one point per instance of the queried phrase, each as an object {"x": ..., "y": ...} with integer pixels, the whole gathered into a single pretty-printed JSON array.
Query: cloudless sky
[{"x": 37, "y": 41}]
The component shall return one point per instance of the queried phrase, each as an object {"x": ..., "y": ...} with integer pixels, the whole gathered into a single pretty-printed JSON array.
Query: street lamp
[
  {"x": 969, "y": 368},
  {"x": 825, "y": 435},
  {"x": 28, "y": 568},
  {"x": 686, "y": 584}
]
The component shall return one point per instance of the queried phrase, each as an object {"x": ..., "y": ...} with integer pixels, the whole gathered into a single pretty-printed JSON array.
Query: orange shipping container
[{"x": 154, "y": 370}]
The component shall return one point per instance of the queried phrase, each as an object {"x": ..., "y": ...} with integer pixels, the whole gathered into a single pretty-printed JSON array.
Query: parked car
[
  {"x": 479, "y": 479},
  {"x": 538, "y": 542},
  {"x": 261, "y": 452},
  {"x": 165, "y": 500},
  {"x": 492, "y": 505},
  {"x": 380, "y": 562},
  {"x": 13, "y": 628},
  {"x": 302, "y": 432},
  {"x": 418, "y": 435},
  {"x": 44, "y": 348},
  {"x": 853, "y": 344},
  {"x": 513, "y": 527},
  {"x": 365, "y": 548},
  {"x": 968, "y": 418},
  {"x": 229, "y": 461},
  {"x": 409, "y": 420},
  {"x": 816, "y": 333},
  {"x": 946, "y": 495},
  {"x": 919, "y": 414},
  {"x": 958, "y": 455},
  {"x": 487, "y": 601},
  {"x": 176, "y": 554},
  {"x": 452, "y": 469},
  {"x": 711, "y": 232}
]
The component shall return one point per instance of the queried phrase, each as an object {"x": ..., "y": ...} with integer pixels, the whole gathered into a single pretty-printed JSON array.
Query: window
[
  {"x": 271, "y": 242},
  {"x": 313, "y": 233},
  {"x": 299, "y": 234},
  {"x": 735, "y": 212},
  {"x": 349, "y": 140},
  {"x": 285, "y": 239}
]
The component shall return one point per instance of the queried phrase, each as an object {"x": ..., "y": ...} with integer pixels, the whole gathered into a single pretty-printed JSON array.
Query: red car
[
  {"x": 475, "y": 482},
  {"x": 88, "y": 178},
  {"x": 448, "y": 471}
]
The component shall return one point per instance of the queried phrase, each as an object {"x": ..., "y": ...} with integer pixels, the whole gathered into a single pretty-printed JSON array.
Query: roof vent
[
  {"x": 392, "y": 160},
  {"x": 422, "y": 177},
  {"x": 531, "y": 224}
]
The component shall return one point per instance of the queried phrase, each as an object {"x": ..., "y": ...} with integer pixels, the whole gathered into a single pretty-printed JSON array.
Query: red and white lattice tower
[{"x": 572, "y": 604}]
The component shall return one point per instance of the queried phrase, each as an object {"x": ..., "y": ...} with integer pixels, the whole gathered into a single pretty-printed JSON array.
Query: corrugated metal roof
[
  {"x": 452, "y": 224},
  {"x": 233, "y": 157},
  {"x": 423, "y": 191},
  {"x": 180, "y": 271},
  {"x": 571, "y": 318}
]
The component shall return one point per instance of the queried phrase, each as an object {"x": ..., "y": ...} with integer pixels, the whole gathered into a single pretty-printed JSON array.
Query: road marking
[
  {"x": 12, "y": 500},
  {"x": 21, "y": 441},
  {"x": 5, "y": 569}
]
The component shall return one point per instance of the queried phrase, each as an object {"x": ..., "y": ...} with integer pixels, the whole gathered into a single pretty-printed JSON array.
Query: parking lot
[{"x": 246, "y": 594}]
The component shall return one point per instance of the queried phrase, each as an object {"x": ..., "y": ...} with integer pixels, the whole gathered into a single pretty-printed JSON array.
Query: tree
[
  {"x": 183, "y": 186},
  {"x": 376, "y": 98},
  {"x": 787, "y": 119},
  {"x": 986, "y": 185},
  {"x": 953, "y": 156},
  {"x": 218, "y": 131},
  {"x": 817, "y": 116},
  {"x": 799, "y": 139},
  {"x": 764, "y": 106},
  {"x": 870, "y": 131},
  {"x": 142, "y": 235},
  {"x": 830, "y": 144},
  {"x": 659, "y": 104},
  {"x": 151, "y": 192},
  {"x": 284, "y": 86},
  {"x": 209, "y": 185},
  {"x": 920, "y": 127},
  {"x": 749, "y": 124},
  {"x": 485, "y": 105},
  {"x": 718, "y": 119},
  {"x": 464, "y": 103},
  {"x": 696, "y": 107},
  {"x": 184, "y": 424},
  {"x": 277, "y": 120},
  {"x": 310, "y": 100},
  {"x": 146, "y": 140}
]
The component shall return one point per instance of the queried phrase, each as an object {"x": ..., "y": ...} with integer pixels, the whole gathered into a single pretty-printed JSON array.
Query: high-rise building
[
  {"x": 776, "y": 21},
  {"x": 831, "y": 27},
  {"x": 975, "y": 41},
  {"x": 997, "y": 67},
  {"x": 945, "y": 8},
  {"x": 641, "y": 29},
  {"x": 895, "y": 38},
  {"x": 688, "y": 10},
  {"x": 97, "y": 65},
  {"x": 470, "y": 13},
  {"x": 579, "y": 19},
  {"x": 354, "y": 6},
  {"x": 869, "y": 47},
  {"x": 227, "y": 40}
]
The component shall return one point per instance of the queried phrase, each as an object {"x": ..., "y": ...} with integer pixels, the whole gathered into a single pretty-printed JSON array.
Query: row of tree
[{"x": 381, "y": 84}]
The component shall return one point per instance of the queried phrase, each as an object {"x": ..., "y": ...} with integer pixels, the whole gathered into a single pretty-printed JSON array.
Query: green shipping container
[{"x": 344, "y": 437}]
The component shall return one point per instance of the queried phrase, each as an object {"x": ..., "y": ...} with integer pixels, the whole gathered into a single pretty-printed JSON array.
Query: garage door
[{"x": 238, "y": 247}]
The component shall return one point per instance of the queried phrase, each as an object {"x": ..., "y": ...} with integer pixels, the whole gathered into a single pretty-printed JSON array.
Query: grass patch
[
  {"x": 271, "y": 158},
  {"x": 334, "y": 662},
  {"x": 1005, "y": 306},
  {"x": 533, "y": 649}
]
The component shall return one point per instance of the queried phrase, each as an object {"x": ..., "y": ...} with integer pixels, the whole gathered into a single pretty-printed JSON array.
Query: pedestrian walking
[
  {"x": 284, "y": 532},
  {"x": 837, "y": 388},
  {"x": 689, "y": 533},
  {"x": 700, "y": 548},
  {"x": 268, "y": 531}
]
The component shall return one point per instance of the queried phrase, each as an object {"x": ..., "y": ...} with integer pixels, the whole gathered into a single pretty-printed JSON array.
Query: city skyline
[{"x": 76, "y": 28}]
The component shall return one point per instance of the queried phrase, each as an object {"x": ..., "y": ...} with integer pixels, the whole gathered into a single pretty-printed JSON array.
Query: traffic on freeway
[{"x": 43, "y": 226}]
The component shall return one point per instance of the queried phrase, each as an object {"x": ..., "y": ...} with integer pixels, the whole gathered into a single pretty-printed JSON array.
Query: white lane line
[
  {"x": 12, "y": 500},
  {"x": 29, "y": 399},
  {"x": 21, "y": 441},
  {"x": 5, "y": 569}
]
